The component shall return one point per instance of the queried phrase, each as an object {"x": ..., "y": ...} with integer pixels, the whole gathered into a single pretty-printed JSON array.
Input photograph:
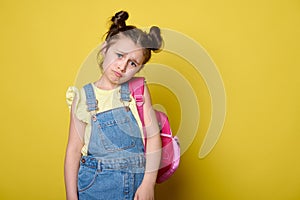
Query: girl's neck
[{"x": 104, "y": 84}]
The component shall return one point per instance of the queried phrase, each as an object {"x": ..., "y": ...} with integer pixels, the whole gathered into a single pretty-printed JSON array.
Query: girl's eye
[
  {"x": 133, "y": 64},
  {"x": 119, "y": 55}
]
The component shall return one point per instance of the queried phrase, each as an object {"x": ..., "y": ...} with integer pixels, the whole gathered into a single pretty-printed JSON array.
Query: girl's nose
[{"x": 122, "y": 66}]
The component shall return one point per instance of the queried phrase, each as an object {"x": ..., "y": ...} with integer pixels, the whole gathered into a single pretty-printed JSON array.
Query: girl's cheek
[
  {"x": 107, "y": 64},
  {"x": 132, "y": 72}
]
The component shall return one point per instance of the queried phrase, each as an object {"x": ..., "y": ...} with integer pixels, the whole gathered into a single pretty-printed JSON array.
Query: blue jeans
[{"x": 109, "y": 179}]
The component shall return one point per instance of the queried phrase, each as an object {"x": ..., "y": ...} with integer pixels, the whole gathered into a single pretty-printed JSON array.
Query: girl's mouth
[{"x": 117, "y": 74}]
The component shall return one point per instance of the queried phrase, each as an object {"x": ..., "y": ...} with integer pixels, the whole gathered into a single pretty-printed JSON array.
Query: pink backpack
[{"x": 170, "y": 146}]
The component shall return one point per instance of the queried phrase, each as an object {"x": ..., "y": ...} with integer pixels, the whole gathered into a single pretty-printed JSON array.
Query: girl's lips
[{"x": 117, "y": 74}]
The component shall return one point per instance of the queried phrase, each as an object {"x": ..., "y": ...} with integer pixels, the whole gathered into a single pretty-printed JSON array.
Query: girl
[{"x": 109, "y": 163}]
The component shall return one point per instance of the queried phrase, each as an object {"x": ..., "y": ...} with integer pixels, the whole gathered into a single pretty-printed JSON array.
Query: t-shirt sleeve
[{"x": 80, "y": 108}]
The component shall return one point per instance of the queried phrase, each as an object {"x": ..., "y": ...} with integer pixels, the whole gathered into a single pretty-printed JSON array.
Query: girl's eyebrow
[
  {"x": 118, "y": 51},
  {"x": 133, "y": 59}
]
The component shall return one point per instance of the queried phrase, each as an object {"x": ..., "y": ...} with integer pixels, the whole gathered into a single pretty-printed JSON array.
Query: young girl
[{"x": 110, "y": 162}]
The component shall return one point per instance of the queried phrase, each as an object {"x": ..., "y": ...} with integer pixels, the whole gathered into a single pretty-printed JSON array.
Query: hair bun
[
  {"x": 155, "y": 38},
  {"x": 119, "y": 19}
]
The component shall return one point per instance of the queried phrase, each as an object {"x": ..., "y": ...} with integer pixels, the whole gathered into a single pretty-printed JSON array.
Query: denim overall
[{"x": 115, "y": 164}]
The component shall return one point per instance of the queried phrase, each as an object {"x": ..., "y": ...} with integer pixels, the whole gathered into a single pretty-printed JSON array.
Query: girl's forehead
[{"x": 126, "y": 45}]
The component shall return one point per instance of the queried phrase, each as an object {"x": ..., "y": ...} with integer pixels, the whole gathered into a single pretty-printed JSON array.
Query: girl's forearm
[
  {"x": 71, "y": 170},
  {"x": 153, "y": 156}
]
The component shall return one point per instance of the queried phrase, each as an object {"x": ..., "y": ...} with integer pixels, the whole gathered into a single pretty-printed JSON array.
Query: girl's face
[{"x": 122, "y": 60}]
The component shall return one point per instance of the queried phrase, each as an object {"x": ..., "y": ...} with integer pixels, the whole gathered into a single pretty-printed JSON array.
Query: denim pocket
[
  {"x": 86, "y": 177},
  {"x": 118, "y": 135}
]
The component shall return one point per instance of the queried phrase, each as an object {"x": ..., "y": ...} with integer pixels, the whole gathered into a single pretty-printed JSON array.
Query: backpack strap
[
  {"x": 91, "y": 101},
  {"x": 136, "y": 87}
]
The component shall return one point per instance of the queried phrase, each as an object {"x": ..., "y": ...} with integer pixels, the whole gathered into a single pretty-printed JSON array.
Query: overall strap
[
  {"x": 125, "y": 92},
  {"x": 91, "y": 100}
]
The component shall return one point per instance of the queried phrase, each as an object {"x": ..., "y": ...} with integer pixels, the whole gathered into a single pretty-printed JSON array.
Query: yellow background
[{"x": 255, "y": 45}]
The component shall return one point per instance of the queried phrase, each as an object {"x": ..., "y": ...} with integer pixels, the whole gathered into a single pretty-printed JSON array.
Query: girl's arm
[
  {"x": 153, "y": 150},
  {"x": 73, "y": 154}
]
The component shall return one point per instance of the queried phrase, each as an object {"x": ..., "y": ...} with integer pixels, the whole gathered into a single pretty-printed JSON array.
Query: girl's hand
[{"x": 144, "y": 192}]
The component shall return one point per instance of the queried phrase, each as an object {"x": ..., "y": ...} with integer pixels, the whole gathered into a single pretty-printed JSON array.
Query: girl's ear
[{"x": 103, "y": 48}]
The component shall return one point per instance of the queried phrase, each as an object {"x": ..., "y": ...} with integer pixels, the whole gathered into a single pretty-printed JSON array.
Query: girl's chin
[{"x": 119, "y": 80}]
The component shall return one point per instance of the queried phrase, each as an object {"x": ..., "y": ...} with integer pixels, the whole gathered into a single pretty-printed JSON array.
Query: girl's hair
[{"x": 151, "y": 41}]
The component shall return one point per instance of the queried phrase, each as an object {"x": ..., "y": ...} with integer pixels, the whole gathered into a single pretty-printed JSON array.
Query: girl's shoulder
[
  {"x": 74, "y": 93},
  {"x": 76, "y": 100},
  {"x": 71, "y": 92}
]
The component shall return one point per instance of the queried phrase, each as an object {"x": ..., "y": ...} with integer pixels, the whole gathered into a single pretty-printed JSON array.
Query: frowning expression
[{"x": 122, "y": 59}]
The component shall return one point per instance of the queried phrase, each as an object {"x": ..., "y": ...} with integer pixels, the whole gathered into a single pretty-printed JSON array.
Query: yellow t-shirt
[{"x": 107, "y": 100}]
